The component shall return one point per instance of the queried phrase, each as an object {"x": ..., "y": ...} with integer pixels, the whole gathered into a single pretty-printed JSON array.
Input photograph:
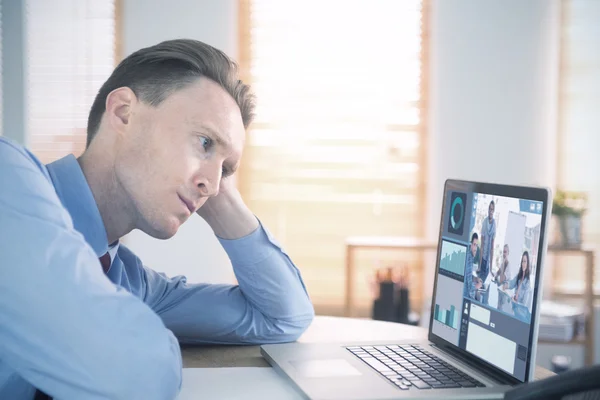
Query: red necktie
[{"x": 105, "y": 261}]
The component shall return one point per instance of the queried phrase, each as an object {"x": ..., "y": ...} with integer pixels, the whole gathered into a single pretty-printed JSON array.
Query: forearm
[
  {"x": 268, "y": 277},
  {"x": 270, "y": 302},
  {"x": 269, "y": 305},
  {"x": 86, "y": 335}
]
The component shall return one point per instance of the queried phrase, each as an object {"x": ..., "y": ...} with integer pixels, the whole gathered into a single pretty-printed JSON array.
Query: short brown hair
[{"x": 155, "y": 72}]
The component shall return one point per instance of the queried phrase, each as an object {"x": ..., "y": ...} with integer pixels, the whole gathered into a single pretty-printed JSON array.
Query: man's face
[
  {"x": 171, "y": 158},
  {"x": 505, "y": 253},
  {"x": 474, "y": 245},
  {"x": 491, "y": 211}
]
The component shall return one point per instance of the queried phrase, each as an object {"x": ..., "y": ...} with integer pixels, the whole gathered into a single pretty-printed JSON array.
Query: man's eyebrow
[{"x": 216, "y": 136}]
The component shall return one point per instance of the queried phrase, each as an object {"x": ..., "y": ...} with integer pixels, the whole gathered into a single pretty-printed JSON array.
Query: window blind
[
  {"x": 70, "y": 53},
  {"x": 579, "y": 120},
  {"x": 337, "y": 147}
]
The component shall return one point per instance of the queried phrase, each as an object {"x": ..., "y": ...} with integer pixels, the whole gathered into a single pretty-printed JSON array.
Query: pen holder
[
  {"x": 392, "y": 304},
  {"x": 402, "y": 306},
  {"x": 383, "y": 306}
]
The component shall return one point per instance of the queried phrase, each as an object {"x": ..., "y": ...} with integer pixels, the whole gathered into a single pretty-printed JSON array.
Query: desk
[{"x": 322, "y": 330}]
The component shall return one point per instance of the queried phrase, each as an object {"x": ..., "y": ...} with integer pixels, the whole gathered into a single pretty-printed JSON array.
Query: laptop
[{"x": 474, "y": 349}]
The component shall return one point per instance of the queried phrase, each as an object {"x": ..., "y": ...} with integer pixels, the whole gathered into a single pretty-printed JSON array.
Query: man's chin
[
  {"x": 164, "y": 231},
  {"x": 162, "y": 235}
]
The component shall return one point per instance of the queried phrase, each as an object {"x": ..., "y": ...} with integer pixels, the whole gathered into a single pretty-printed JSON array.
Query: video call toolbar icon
[{"x": 456, "y": 218}]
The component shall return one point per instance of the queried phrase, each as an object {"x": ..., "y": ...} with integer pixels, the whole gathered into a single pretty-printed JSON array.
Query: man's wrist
[{"x": 228, "y": 216}]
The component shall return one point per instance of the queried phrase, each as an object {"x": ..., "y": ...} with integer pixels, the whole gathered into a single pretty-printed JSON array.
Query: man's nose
[{"x": 208, "y": 183}]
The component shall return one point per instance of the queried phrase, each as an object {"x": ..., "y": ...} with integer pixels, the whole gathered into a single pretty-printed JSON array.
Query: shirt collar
[
  {"x": 76, "y": 196},
  {"x": 112, "y": 250}
]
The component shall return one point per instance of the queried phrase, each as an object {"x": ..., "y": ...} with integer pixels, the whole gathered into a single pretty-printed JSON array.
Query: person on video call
[
  {"x": 472, "y": 283},
  {"x": 488, "y": 234},
  {"x": 521, "y": 284},
  {"x": 80, "y": 315},
  {"x": 503, "y": 273}
]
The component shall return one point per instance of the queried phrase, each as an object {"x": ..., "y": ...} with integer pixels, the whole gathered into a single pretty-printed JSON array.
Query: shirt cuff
[{"x": 250, "y": 249}]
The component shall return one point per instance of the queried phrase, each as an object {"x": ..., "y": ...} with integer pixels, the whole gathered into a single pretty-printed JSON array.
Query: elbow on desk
[
  {"x": 301, "y": 327},
  {"x": 284, "y": 325},
  {"x": 289, "y": 330}
]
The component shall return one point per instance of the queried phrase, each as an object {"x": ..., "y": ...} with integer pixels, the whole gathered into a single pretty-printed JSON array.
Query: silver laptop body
[{"x": 487, "y": 333}]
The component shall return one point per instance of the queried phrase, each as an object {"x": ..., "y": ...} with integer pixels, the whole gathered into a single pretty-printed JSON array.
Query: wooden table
[{"x": 323, "y": 330}]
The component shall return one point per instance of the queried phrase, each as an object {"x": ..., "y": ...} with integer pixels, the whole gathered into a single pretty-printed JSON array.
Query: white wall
[
  {"x": 13, "y": 64},
  {"x": 194, "y": 251},
  {"x": 493, "y": 93},
  {"x": 147, "y": 22}
]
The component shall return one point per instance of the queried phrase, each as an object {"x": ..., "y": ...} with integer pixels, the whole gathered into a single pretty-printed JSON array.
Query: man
[
  {"x": 488, "y": 234},
  {"x": 80, "y": 316},
  {"x": 471, "y": 283},
  {"x": 503, "y": 273},
  {"x": 502, "y": 276}
]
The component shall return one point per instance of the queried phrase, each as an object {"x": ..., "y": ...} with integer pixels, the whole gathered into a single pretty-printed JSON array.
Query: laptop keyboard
[{"x": 412, "y": 366}]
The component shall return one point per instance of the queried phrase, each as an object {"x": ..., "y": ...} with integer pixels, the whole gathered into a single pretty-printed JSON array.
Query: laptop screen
[{"x": 486, "y": 277}]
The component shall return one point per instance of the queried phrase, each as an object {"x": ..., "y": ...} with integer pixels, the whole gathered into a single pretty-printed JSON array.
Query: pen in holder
[{"x": 391, "y": 296}]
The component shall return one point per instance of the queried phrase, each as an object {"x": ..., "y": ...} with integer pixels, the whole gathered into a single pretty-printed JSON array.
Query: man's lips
[{"x": 188, "y": 204}]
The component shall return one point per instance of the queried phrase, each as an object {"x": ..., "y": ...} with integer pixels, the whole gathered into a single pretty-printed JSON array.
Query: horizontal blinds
[
  {"x": 70, "y": 53},
  {"x": 336, "y": 147}
]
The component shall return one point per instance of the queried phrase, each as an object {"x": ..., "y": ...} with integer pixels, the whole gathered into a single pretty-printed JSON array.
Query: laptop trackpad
[{"x": 324, "y": 368}]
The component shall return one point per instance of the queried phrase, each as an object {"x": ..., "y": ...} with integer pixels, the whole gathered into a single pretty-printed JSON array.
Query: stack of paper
[{"x": 560, "y": 321}]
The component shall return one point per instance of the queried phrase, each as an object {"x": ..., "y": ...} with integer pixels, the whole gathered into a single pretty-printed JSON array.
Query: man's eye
[
  {"x": 205, "y": 142},
  {"x": 224, "y": 172}
]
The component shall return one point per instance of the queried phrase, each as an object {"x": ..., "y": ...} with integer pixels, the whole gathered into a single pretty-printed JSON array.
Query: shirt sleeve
[
  {"x": 512, "y": 283},
  {"x": 269, "y": 304},
  {"x": 64, "y": 327},
  {"x": 528, "y": 298},
  {"x": 470, "y": 290}
]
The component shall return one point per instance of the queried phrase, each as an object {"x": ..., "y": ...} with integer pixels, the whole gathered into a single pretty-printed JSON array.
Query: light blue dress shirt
[
  {"x": 469, "y": 288},
  {"x": 76, "y": 333},
  {"x": 521, "y": 307}
]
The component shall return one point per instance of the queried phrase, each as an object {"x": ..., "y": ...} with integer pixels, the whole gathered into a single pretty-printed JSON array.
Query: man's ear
[{"x": 119, "y": 104}]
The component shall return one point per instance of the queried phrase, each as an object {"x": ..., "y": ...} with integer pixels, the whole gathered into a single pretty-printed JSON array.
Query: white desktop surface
[
  {"x": 203, "y": 380},
  {"x": 248, "y": 383}
]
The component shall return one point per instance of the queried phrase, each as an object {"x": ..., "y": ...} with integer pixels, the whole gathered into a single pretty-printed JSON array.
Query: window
[
  {"x": 337, "y": 147},
  {"x": 579, "y": 134},
  {"x": 70, "y": 53}
]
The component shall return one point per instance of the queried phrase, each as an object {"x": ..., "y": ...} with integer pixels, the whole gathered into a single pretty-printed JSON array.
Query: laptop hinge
[{"x": 489, "y": 372}]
